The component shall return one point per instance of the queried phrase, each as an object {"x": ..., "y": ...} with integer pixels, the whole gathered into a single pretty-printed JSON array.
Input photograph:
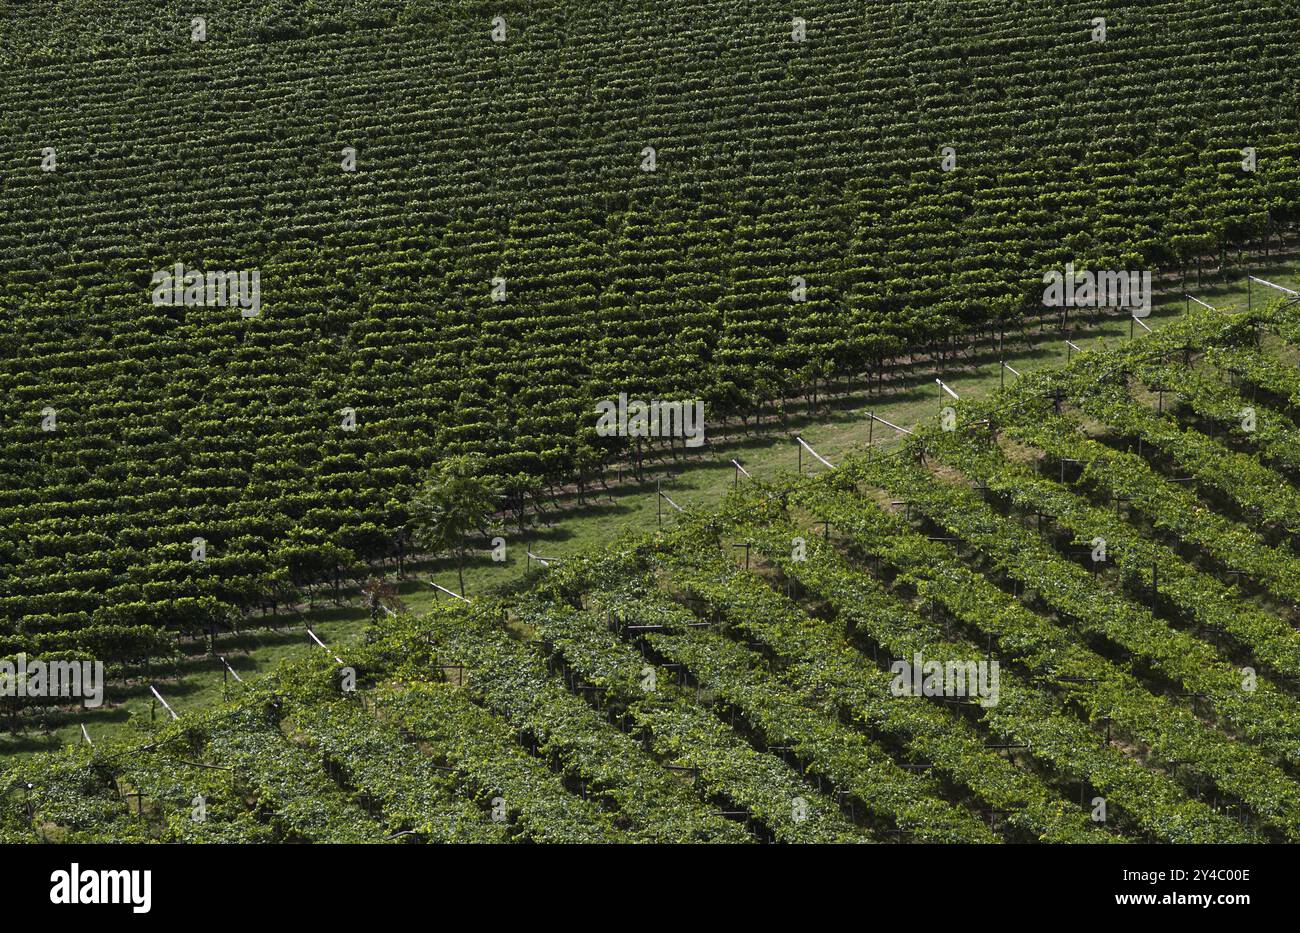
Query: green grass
[
  {"x": 194, "y": 682},
  {"x": 702, "y": 480}
]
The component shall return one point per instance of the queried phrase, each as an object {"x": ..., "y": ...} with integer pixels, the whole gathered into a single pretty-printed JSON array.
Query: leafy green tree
[{"x": 458, "y": 497}]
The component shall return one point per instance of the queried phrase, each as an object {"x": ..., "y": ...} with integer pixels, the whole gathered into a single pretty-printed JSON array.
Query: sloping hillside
[{"x": 791, "y": 160}]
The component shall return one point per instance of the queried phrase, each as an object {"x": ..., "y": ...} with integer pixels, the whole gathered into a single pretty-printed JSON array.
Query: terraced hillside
[
  {"x": 1117, "y": 536},
  {"x": 126, "y": 147}
]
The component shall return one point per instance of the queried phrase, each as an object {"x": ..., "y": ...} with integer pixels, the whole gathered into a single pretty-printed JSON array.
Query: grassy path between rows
[{"x": 198, "y": 680}]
